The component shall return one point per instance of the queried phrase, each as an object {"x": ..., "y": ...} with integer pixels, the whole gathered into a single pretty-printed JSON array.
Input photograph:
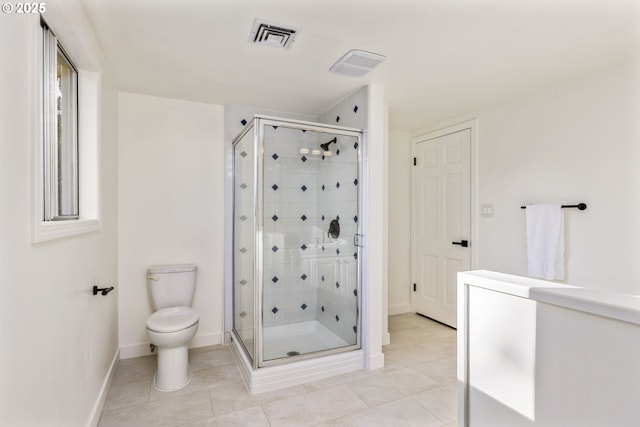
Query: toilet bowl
[
  {"x": 170, "y": 330},
  {"x": 173, "y": 325}
]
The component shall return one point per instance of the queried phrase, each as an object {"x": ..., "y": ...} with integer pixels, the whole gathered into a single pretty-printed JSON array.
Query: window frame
[
  {"x": 89, "y": 79},
  {"x": 60, "y": 137}
]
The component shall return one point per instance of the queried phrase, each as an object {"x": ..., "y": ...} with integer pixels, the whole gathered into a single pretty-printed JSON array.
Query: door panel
[
  {"x": 441, "y": 215},
  {"x": 429, "y": 270},
  {"x": 453, "y": 205},
  {"x": 452, "y": 267},
  {"x": 428, "y": 222}
]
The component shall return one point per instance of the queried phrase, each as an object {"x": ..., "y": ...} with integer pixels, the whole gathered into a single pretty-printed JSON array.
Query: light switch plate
[{"x": 486, "y": 210}]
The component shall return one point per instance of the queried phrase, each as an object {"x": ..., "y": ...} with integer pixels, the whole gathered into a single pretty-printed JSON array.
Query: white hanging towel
[{"x": 545, "y": 241}]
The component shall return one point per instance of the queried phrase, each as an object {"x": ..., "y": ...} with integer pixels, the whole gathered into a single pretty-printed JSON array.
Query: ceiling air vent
[
  {"x": 356, "y": 63},
  {"x": 271, "y": 34}
]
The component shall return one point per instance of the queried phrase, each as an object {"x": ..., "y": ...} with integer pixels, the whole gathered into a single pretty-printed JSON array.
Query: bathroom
[
  {"x": 587, "y": 121},
  {"x": 196, "y": 163}
]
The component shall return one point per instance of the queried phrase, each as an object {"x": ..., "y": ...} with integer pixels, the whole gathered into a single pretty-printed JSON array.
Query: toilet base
[{"x": 173, "y": 372}]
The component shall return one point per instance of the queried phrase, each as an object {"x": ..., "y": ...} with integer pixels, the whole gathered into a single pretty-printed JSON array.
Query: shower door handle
[{"x": 357, "y": 240}]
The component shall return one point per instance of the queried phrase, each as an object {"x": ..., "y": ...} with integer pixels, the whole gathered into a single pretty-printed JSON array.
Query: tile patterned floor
[{"x": 417, "y": 387}]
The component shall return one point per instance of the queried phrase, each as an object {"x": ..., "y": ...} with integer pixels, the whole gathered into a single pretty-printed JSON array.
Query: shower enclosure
[{"x": 296, "y": 223}]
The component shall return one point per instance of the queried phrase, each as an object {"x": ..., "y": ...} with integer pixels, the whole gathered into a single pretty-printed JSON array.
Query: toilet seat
[{"x": 172, "y": 319}]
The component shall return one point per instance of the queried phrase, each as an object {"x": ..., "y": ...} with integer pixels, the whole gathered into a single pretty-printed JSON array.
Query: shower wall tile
[
  {"x": 335, "y": 279},
  {"x": 276, "y": 310},
  {"x": 295, "y": 302},
  {"x": 235, "y": 114},
  {"x": 349, "y": 115}
]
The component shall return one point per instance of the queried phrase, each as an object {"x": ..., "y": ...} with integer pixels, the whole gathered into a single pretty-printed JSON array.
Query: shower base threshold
[
  {"x": 294, "y": 371},
  {"x": 301, "y": 337}
]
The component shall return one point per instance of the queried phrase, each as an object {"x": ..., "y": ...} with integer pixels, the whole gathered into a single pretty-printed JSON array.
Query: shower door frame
[
  {"x": 259, "y": 122},
  {"x": 250, "y": 127}
]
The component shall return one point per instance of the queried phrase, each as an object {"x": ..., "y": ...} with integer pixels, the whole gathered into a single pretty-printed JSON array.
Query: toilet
[{"x": 173, "y": 324}]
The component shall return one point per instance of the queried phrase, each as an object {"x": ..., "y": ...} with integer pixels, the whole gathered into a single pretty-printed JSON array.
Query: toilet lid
[{"x": 172, "y": 319}]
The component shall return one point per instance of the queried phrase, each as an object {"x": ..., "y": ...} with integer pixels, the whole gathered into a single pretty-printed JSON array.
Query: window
[
  {"x": 67, "y": 123},
  {"x": 60, "y": 131}
]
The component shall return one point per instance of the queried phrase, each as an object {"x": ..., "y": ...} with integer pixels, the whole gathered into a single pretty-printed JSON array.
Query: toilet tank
[{"x": 171, "y": 285}]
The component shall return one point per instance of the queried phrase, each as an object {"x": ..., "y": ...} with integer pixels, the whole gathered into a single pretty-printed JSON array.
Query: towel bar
[
  {"x": 579, "y": 206},
  {"x": 103, "y": 291}
]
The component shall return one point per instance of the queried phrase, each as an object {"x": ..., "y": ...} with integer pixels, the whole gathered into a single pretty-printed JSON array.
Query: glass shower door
[{"x": 310, "y": 222}]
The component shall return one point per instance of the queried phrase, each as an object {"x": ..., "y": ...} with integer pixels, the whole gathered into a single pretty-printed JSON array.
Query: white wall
[
  {"x": 58, "y": 340},
  {"x": 399, "y": 222},
  {"x": 171, "y": 188},
  {"x": 576, "y": 142}
]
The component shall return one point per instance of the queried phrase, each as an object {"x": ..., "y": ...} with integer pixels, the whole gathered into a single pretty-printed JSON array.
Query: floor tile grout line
[
  {"x": 213, "y": 409},
  {"x": 430, "y": 411},
  {"x": 265, "y": 412}
]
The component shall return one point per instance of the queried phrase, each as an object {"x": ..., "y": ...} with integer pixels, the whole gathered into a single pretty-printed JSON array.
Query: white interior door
[{"x": 441, "y": 221}]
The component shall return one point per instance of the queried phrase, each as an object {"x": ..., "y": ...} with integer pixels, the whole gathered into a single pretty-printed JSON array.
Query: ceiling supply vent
[
  {"x": 272, "y": 34},
  {"x": 356, "y": 63}
]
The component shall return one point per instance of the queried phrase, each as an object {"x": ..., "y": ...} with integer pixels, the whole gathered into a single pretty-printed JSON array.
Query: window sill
[{"x": 52, "y": 230}]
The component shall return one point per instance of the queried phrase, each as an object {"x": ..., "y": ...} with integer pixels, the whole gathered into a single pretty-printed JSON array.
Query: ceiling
[{"x": 444, "y": 57}]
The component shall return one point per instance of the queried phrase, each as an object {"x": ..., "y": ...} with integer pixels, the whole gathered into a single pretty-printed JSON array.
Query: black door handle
[{"x": 463, "y": 243}]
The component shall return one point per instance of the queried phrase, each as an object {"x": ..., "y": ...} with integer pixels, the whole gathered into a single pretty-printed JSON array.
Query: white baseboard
[
  {"x": 399, "y": 309},
  {"x": 206, "y": 340},
  {"x": 142, "y": 349},
  {"x": 134, "y": 350},
  {"x": 96, "y": 411},
  {"x": 386, "y": 338},
  {"x": 376, "y": 361}
]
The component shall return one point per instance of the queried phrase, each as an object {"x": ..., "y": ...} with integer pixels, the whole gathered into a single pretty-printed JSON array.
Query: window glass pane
[{"x": 66, "y": 120}]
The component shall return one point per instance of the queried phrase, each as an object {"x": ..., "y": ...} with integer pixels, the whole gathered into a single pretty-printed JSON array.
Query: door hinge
[
  {"x": 414, "y": 287},
  {"x": 415, "y": 162}
]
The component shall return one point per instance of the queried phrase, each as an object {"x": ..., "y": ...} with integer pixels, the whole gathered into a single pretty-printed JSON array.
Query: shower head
[{"x": 325, "y": 146}]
